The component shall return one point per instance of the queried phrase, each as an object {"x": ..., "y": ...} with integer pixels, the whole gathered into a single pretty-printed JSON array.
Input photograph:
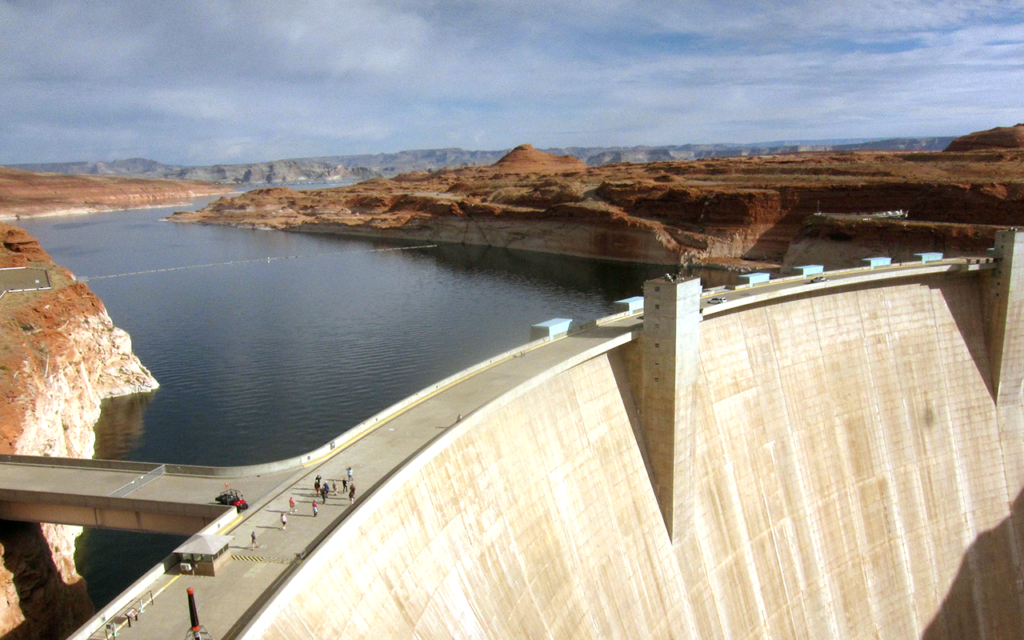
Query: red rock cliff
[
  {"x": 729, "y": 213},
  {"x": 60, "y": 355},
  {"x": 24, "y": 193},
  {"x": 997, "y": 138}
]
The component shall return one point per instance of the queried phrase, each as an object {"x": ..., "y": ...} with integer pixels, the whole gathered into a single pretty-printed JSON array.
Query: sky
[{"x": 233, "y": 81}]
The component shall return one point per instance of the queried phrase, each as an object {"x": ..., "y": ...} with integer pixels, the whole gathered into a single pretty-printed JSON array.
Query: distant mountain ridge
[
  {"x": 276, "y": 171},
  {"x": 348, "y": 168}
]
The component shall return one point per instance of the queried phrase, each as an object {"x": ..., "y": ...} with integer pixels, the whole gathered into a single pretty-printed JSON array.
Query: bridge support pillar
[{"x": 671, "y": 360}]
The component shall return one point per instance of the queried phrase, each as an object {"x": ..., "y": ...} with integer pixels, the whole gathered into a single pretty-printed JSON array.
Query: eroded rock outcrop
[
  {"x": 526, "y": 159},
  {"x": 60, "y": 355},
  {"x": 26, "y": 194},
  {"x": 997, "y": 138},
  {"x": 43, "y": 595},
  {"x": 844, "y": 242},
  {"x": 735, "y": 214}
]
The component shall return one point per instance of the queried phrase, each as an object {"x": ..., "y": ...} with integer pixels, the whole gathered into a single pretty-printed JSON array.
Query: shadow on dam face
[
  {"x": 965, "y": 315},
  {"x": 985, "y": 599}
]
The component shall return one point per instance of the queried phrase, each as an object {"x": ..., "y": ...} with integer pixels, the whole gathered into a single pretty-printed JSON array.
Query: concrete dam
[
  {"x": 839, "y": 456},
  {"x": 834, "y": 460}
]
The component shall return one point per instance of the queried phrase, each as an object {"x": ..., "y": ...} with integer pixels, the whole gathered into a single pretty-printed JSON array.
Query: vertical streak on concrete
[
  {"x": 671, "y": 361},
  {"x": 1006, "y": 354}
]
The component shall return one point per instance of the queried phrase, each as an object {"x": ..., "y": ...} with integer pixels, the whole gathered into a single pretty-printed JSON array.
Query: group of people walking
[{"x": 322, "y": 488}]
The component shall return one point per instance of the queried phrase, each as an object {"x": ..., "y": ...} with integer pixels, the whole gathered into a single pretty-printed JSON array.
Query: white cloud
[{"x": 204, "y": 82}]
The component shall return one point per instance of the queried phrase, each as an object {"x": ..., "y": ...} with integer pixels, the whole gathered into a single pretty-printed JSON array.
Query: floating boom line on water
[{"x": 267, "y": 259}]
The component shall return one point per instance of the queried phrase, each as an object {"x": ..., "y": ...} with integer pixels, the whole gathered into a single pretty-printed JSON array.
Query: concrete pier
[{"x": 671, "y": 362}]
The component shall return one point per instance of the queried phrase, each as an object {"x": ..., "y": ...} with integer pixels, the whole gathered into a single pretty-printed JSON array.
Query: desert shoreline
[{"x": 84, "y": 211}]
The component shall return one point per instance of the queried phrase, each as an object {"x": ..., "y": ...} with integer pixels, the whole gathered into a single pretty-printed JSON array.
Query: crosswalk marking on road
[{"x": 235, "y": 556}]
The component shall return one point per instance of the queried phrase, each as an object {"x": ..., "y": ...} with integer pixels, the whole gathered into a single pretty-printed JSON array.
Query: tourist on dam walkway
[
  {"x": 254, "y": 545},
  {"x": 316, "y": 484},
  {"x": 351, "y": 492},
  {"x": 350, "y": 474},
  {"x": 344, "y": 484},
  {"x": 284, "y": 521},
  {"x": 315, "y": 510},
  {"x": 334, "y": 487},
  {"x": 291, "y": 504},
  {"x": 323, "y": 493}
]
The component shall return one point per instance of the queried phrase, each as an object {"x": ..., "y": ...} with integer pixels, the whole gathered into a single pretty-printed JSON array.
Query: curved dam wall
[
  {"x": 849, "y": 475},
  {"x": 848, "y": 455},
  {"x": 532, "y": 519}
]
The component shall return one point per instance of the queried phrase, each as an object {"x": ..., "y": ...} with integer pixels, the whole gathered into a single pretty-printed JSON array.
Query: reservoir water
[{"x": 266, "y": 358}]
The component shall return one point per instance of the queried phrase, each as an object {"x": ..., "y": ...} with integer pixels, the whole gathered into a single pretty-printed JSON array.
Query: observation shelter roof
[{"x": 204, "y": 544}]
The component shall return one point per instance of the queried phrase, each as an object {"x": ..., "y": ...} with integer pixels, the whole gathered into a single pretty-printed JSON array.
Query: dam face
[
  {"x": 850, "y": 454},
  {"x": 847, "y": 465}
]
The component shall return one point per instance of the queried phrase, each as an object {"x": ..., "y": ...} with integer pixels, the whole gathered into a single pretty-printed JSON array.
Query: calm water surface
[{"x": 262, "y": 360}]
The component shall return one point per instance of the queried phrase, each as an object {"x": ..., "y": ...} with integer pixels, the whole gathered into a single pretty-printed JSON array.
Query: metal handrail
[
  {"x": 128, "y": 612},
  {"x": 138, "y": 483}
]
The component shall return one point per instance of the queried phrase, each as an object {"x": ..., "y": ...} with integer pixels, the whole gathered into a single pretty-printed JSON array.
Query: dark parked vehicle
[{"x": 233, "y": 497}]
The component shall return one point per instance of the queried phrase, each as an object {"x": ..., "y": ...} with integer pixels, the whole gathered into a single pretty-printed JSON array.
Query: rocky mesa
[
  {"x": 996, "y": 138},
  {"x": 743, "y": 213},
  {"x": 24, "y": 193},
  {"x": 60, "y": 355}
]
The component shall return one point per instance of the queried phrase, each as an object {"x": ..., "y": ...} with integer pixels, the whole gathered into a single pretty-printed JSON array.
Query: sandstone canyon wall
[
  {"x": 60, "y": 355},
  {"x": 734, "y": 214},
  {"x": 27, "y": 194}
]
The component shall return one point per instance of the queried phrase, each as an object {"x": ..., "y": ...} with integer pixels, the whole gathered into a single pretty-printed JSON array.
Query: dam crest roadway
[{"x": 816, "y": 455}]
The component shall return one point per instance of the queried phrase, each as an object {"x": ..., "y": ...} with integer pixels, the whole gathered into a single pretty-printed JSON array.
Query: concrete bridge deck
[{"x": 59, "y": 492}]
